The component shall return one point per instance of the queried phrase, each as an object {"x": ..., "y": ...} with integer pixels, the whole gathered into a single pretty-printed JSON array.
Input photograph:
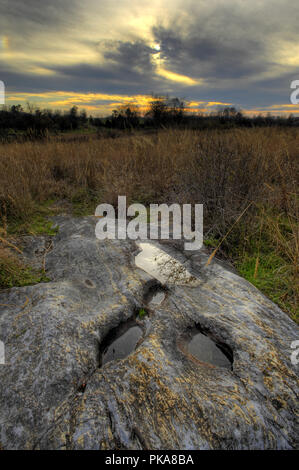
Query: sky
[{"x": 100, "y": 54}]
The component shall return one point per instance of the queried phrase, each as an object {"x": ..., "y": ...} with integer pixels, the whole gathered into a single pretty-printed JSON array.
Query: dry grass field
[{"x": 229, "y": 171}]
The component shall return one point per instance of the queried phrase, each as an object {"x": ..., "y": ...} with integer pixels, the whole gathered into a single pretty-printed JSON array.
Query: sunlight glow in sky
[{"x": 87, "y": 53}]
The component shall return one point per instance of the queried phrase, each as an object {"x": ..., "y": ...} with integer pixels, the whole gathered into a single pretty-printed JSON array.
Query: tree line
[{"x": 162, "y": 112}]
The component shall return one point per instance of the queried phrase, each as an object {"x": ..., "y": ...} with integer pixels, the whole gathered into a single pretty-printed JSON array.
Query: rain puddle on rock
[
  {"x": 120, "y": 342},
  {"x": 206, "y": 350},
  {"x": 162, "y": 266}
]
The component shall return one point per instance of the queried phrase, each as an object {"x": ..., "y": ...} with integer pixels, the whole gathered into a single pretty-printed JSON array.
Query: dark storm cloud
[
  {"x": 115, "y": 78},
  {"x": 84, "y": 78},
  {"x": 210, "y": 56},
  {"x": 133, "y": 55},
  {"x": 233, "y": 41},
  {"x": 127, "y": 68}
]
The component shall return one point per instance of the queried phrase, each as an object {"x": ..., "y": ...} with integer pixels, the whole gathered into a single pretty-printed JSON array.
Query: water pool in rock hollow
[
  {"x": 206, "y": 350},
  {"x": 120, "y": 342}
]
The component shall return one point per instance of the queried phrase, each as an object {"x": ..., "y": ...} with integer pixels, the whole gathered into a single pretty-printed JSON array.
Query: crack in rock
[{"x": 156, "y": 397}]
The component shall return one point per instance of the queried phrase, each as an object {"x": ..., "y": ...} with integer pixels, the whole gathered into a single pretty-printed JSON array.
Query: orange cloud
[
  {"x": 100, "y": 102},
  {"x": 103, "y": 103},
  {"x": 276, "y": 109}
]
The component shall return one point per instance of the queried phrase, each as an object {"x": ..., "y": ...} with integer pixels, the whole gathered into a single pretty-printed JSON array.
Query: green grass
[
  {"x": 211, "y": 242},
  {"x": 84, "y": 202},
  {"x": 40, "y": 225},
  {"x": 37, "y": 223},
  {"x": 272, "y": 279},
  {"x": 142, "y": 313},
  {"x": 262, "y": 263},
  {"x": 14, "y": 273}
]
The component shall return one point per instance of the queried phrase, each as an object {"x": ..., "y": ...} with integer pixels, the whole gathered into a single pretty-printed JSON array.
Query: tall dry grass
[{"x": 224, "y": 170}]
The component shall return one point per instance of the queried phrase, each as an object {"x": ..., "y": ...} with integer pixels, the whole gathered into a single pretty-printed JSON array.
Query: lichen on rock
[{"x": 54, "y": 395}]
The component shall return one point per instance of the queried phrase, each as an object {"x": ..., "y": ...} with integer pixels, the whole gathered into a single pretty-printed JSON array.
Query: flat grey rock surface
[{"x": 55, "y": 395}]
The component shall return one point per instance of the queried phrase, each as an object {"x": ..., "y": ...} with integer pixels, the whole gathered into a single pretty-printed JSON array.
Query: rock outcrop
[{"x": 55, "y": 394}]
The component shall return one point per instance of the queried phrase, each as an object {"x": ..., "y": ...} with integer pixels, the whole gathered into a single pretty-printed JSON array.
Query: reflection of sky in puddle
[
  {"x": 123, "y": 345},
  {"x": 161, "y": 265},
  {"x": 204, "y": 349}
]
